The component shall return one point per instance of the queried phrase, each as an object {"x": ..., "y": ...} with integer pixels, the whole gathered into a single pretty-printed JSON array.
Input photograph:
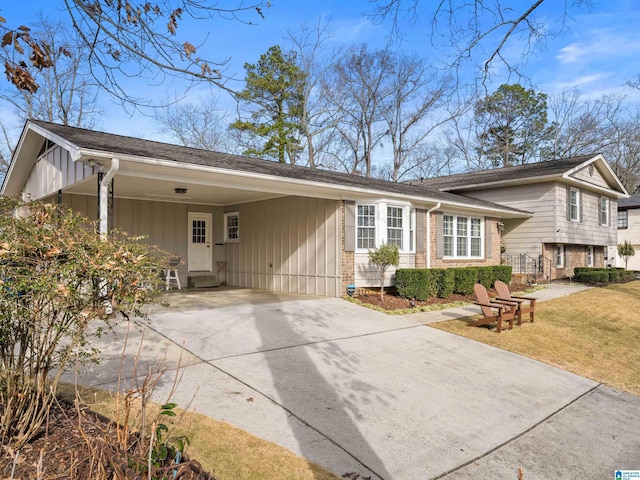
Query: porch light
[
  {"x": 500, "y": 227},
  {"x": 180, "y": 190}
]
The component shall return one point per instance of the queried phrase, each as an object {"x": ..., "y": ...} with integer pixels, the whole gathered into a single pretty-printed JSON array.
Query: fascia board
[
  {"x": 612, "y": 176},
  {"x": 344, "y": 192}
]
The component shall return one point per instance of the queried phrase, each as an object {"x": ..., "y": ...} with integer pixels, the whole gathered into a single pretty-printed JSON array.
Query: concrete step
[{"x": 204, "y": 281}]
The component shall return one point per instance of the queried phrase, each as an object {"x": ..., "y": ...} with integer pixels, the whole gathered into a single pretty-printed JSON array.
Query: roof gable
[{"x": 573, "y": 170}]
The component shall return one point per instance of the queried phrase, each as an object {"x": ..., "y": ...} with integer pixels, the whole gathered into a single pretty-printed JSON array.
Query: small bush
[
  {"x": 614, "y": 275},
  {"x": 447, "y": 283}
]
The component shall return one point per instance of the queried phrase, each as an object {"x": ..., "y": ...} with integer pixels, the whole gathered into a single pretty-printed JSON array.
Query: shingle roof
[
  {"x": 118, "y": 144},
  {"x": 528, "y": 171},
  {"x": 626, "y": 203}
]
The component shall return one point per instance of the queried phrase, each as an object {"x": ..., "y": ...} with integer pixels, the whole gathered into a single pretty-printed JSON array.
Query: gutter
[
  {"x": 437, "y": 206},
  {"x": 104, "y": 196}
]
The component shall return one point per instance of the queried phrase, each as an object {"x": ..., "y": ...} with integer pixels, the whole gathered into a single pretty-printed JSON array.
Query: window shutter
[
  {"x": 610, "y": 213},
  {"x": 420, "y": 243},
  {"x": 349, "y": 226},
  {"x": 568, "y": 204},
  {"x": 439, "y": 236},
  {"x": 487, "y": 238}
]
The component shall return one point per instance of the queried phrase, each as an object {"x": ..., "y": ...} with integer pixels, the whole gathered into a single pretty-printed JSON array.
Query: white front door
[{"x": 199, "y": 233}]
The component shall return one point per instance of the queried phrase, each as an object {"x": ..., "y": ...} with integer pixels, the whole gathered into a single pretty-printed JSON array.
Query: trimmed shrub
[
  {"x": 414, "y": 283},
  {"x": 614, "y": 275},
  {"x": 486, "y": 276},
  {"x": 465, "y": 279},
  {"x": 594, "y": 276},
  {"x": 502, "y": 273},
  {"x": 447, "y": 282}
]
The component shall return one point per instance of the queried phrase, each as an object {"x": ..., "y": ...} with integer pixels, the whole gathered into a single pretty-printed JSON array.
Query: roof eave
[{"x": 344, "y": 191}]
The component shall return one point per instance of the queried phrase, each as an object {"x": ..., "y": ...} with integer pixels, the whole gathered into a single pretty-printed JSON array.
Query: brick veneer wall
[
  {"x": 348, "y": 258},
  {"x": 495, "y": 249},
  {"x": 575, "y": 256}
]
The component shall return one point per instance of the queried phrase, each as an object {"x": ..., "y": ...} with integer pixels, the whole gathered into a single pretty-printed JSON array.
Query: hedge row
[
  {"x": 603, "y": 275},
  {"x": 441, "y": 282}
]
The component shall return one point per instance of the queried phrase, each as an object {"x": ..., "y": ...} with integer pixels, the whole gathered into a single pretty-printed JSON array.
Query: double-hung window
[
  {"x": 366, "y": 233},
  {"x": 383, "y": 222},
  {"x": 604, "y": 211},
  {"x": 559, "y": 256},
  {"x": 232, "y": 227},
  {"x": 623, "y": 219},
  {"x": 574, "y": 204},
  {"x": 394, "y": 226},
  {"x": 461, "y": 236}
]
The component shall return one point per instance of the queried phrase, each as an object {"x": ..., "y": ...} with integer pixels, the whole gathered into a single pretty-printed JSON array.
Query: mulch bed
[
  {"x": 61, "y": 451},
  {"x": 393, "y": 302}
]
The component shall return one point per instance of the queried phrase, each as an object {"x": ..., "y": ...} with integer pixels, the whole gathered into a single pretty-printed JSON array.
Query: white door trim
[{"x": 199, "y": 247}]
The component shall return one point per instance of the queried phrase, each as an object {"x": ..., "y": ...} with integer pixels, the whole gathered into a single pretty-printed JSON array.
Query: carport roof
[{"x": 90, "y": 141}]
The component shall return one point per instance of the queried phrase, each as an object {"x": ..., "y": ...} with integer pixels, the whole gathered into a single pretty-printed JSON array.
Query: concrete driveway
[{"x": 356, "y": 390}]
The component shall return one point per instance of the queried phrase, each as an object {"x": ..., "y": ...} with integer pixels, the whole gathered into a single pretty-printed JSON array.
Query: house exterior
[
  {"x": 573, "y": 202},
  {"x": 249, "y": 222},
  {"x": 629, "y": 228}
]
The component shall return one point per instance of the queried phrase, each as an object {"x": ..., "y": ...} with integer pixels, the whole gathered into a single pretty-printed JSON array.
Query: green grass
[{"x": 594, "y": 333}]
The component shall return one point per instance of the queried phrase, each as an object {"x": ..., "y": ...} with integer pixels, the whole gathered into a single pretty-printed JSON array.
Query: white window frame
[
  {"x": 576, "y": 205},
  {"x": 558, "y": 256},
  {"x": 395, "y": 224},
  {"x": 362, "y": 225},
  {"x": 459, "y": 229},
  {"x": 591, "y": 252},
  {"x": 231, "y": 232},
  {"x": 381, "y": 225},
  {"x": 603, "y": 211}
]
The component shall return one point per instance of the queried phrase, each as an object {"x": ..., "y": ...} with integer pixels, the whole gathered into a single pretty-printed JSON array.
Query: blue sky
[{"x": 597, "y": 53}]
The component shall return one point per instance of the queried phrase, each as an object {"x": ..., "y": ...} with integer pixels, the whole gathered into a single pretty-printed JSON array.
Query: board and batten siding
[
  {"x": 525, "y": 236},
  {"x": 53, "y": 171},
  {"x": 290, "y": 244},
  {"x": 164, "y": 224}
]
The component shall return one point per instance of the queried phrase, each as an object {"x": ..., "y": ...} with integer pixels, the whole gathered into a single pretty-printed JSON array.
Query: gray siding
[
  {"x": 592, "y": 176},
  {"x": 164, "y": 224},
  {"x": 54, "y": 171},
  {"x": 549, "y": 224},
  {"x": 290, "y": 244},
  {"x": 588, "y": 231},
  {"x": 526, "y": 236}
]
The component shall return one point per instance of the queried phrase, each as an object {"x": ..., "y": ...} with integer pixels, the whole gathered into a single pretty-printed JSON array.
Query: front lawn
[{"x": 594, "y": 333}]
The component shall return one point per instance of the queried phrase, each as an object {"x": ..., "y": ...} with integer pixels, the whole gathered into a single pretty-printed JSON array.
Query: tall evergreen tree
[
  {"x": 513, "y": 125},
  {"x": 273, "y": 97}
]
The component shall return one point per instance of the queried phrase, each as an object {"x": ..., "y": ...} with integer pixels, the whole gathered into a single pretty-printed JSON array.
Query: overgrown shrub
[
  {"x": 57, "y": 276},
  {"x": 465, "y": 279}
]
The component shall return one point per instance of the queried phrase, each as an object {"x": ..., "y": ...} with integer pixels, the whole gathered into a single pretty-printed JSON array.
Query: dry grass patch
[
  {"x": 226, "y": 452},
  {"x": 594, "y": 333}
]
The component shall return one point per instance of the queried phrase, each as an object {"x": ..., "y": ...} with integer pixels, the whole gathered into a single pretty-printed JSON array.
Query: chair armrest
[
  {"x": 501, "y": 306},
  {"x": 509, "y": 301},
  {"x": 524, "y": 298}
]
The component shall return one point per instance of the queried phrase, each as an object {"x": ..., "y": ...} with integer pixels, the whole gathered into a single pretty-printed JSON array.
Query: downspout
[
  {"x": 437, "y": 206},
  {"x": 104, "y": 196}
]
